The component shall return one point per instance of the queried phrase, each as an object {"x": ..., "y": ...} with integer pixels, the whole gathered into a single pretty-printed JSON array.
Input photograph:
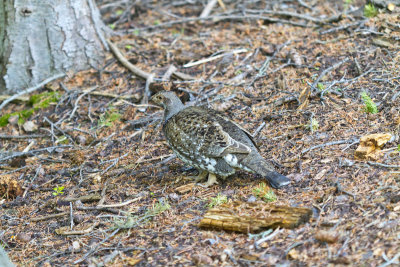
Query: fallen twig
[
  {"x": 207, "y": 10},
  {"x": 19, "y": 154},
  {"x": 324, "y": 72},
  {"x": 220, "y": 18},
  {"x": 329, "y": 144},
  {"x": 205, "y": 60},
  {"x": 117, "y": 205},
  {"x": 343, "y": 27},
  {"x": 93, "y": 249},
  {"x": 124, "y": 61},
  {"x": 62, "y": 231},
  {"x": 51, "y": 216},
  {"x": 78, "y": 99},
  {"x": 394, "y": 260},
  {"x": 3, "y": 136},
  {"x": 382, "y": 165}
]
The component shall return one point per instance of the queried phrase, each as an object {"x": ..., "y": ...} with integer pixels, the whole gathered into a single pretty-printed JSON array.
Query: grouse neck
[{"x": 172, "y": 110}]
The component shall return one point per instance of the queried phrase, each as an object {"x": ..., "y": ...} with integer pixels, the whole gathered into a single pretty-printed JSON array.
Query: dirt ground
[{"x": 98, "y": 186}]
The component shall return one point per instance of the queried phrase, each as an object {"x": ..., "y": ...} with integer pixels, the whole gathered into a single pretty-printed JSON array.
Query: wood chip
[
  {"x": 370, "y": 146},
  {"x": 185, "y": 188}
]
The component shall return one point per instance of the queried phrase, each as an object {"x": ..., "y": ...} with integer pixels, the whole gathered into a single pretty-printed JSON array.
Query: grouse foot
[{"x": 212, "y": 179}]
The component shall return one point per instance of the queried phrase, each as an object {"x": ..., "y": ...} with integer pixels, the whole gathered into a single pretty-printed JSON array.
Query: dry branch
[
  {"x": 222, "y": 18},
  {"x": 51, "y": 216},
  {"x": 253, "y": 217},
  {"x": 63, "y": 230},
  {"x": 208, "y": 8},
  {"x": 124, "y": 61}
]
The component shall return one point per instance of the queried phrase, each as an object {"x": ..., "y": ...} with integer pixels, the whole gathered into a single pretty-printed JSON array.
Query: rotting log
[{"x": 253, "y": 217}]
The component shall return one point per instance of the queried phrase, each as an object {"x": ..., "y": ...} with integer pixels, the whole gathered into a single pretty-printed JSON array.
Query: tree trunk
[
  {"x": 4, "y": 260},
  {"x": 42, "y": 38}
]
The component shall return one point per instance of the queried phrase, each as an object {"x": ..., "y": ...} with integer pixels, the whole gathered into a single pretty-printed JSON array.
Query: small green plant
[
  {"x": 108, "y": 118},
  {"x": 133, "y": 221},
  {"x": 270, "y": 196},
  {"x": 37, "y": 102},
  {"x": 158, "y": 208},
  {"x": 313, "y": 125},
  {"x": 119, "y": 12},
  {"x": 44, "y": 99},
  {"x": 129, "y": 47},
  {"x": 157, "y": 22},
  {"x": 264, "y": 192},
  {"x": 238, "y": 72},
  {"x": 370, "y": 11},
  {"x": 320, "y": 86},
  {"x": 369, "y": 105},
  {"x": 398, "y": 147},
  {"x": 218, "y": 200},
  {"x": 112, "y": 26},
  {"x": 136, "y": 32},
  {"x": 59, "y": 190}
]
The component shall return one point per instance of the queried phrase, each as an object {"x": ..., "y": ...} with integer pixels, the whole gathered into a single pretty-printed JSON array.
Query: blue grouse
[{"x": 208, "y": 141}]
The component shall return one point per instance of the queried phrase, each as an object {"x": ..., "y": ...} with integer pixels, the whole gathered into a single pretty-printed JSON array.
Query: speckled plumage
[{"x": 210, "y": 142}]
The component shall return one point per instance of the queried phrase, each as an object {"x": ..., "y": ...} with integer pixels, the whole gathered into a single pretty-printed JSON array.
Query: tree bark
[
  {"x": 4, "y": 260},
  {"x": 42, "y": 38}
]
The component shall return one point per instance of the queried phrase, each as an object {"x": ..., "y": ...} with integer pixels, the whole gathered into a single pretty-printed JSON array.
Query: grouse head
[{"x": 169, "y": 101}]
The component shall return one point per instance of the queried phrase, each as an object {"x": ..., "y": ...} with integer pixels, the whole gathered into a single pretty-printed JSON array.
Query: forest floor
[{"x": 96, "y": 185}]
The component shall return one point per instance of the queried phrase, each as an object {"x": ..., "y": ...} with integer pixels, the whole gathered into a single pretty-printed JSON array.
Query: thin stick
[
  {"x": 323, "y": 73},
  {"x": 124, "y": 61},
  {"x": 18, "y": 154},
  {"x": 328, "y": 144},
  {"x": 51, "y": 216},
  {"x": 117, "y": 205},
  {"x": 93, "y": 249},
  {"x": 207, "y": 10},
  {"x": 382, "y": 165},
  {"x": 205, "y": 60},
  {"x": 71, "y": 216},
  {"x": 22, "y": 136},
  {"x": 32, "y": 89},
  {"x": 220, "y": 18},
  {"x": 79, "y": 232},
  {"x": 78, "y": 99}
]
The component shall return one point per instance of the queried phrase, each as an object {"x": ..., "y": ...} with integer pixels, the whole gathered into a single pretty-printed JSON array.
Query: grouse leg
[
  {"x": 212, "y": 179},
  {"x": 202, "y": 176}
]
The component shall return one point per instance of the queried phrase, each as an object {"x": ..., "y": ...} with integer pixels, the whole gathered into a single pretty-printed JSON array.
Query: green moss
[
  {"x": 37, "y": 102},
  {"x": 370, "y": 11},
  {"x": 4, "y": 120},
  {"x": 44, "y": 99},
  {"x": 369, "y": 105},
  {"x": 218, "y": 200}
]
